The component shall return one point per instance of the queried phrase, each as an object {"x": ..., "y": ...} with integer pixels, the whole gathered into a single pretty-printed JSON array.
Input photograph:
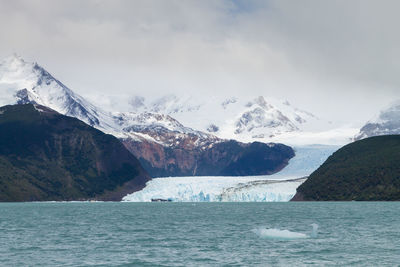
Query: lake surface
[{"x": 199, "y": 234}]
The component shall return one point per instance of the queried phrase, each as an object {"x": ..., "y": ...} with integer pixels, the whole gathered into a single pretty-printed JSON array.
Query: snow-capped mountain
[
  {"x": 245, "y": 119},
  {"x": 162, "y": 129},
  {"x": 24, "y": 82},
  {"x": 387, "y": 122}
]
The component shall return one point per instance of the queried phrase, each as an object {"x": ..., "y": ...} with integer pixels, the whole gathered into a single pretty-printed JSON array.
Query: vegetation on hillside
[
  {"x": 368, "y": 169},
  {"x": 48, "y": 156}
]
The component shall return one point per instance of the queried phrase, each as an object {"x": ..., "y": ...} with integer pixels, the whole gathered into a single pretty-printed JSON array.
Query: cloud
[
  {"x": 314, "y": 53},
  {"x": 354, "y": 39}
]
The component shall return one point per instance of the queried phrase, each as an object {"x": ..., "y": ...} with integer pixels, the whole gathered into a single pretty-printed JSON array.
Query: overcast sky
[{"x": 338, "y": 59}]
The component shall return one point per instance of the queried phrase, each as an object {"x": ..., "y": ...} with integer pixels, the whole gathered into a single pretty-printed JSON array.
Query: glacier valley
[{"x": 266, "y": 188}]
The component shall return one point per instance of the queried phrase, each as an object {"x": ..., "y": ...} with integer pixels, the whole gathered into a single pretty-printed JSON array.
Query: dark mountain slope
[
  {"x": 48, "y": 156},
  {"x": 368, "y": 169},
  {"x": 232, "y": 158}
]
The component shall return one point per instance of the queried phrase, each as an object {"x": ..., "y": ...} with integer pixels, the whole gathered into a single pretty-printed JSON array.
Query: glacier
[{"x": 266, "y": 188}]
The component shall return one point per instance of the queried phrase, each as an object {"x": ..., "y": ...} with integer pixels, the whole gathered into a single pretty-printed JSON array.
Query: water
[{"x": 199, "y": 234}]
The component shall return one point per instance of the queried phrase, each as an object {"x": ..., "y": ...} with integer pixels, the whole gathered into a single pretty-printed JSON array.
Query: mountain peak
[{"x": 25, "y": 82}]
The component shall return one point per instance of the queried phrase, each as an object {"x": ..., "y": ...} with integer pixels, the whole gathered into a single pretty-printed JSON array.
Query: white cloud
[{"x": 334, "y": 58}]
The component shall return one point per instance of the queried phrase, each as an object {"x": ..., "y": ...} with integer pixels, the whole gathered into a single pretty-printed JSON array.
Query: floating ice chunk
[
  {"x": 274, "y": 233},
  {"x": 278, "y": 234}
]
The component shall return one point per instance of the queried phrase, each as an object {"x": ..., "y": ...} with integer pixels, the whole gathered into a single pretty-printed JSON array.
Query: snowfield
[{"x": 278, "y": 187}]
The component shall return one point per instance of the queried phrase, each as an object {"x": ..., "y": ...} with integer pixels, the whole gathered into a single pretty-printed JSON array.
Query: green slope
[{"x": 368, "y": 169}]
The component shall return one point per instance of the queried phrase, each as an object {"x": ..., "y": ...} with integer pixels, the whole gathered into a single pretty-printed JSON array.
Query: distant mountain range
[
  {"x": 162, "y": 144},
  {"x": 245, "y": 119}
]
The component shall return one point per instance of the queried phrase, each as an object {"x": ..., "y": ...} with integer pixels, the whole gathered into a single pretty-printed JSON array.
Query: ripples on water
[{"x": 204, "y": 234}]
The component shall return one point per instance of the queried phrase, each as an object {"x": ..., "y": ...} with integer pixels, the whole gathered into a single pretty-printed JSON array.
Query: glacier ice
[
  {"x": 266, "y": 188},
  {"x": 216, "y": 188}
]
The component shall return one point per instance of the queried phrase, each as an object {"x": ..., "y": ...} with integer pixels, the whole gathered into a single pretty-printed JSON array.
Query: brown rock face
[
  {"x": 161, "y": 161},
  {"x": 222, "y": 158}
]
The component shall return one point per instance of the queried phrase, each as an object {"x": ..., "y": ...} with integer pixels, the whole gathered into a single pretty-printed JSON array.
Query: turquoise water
[{"x": 201, "y": 234}]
